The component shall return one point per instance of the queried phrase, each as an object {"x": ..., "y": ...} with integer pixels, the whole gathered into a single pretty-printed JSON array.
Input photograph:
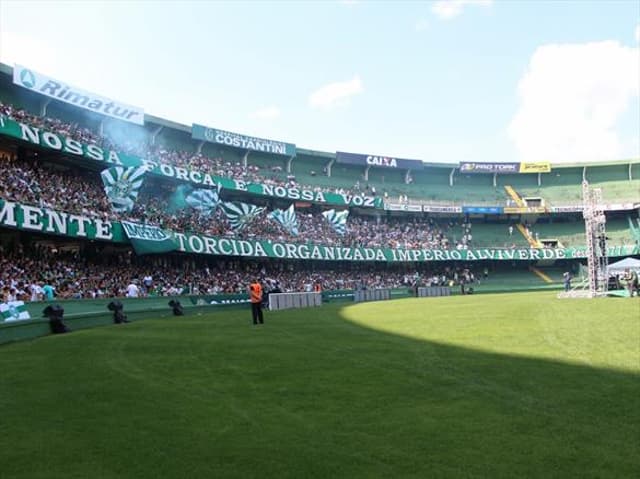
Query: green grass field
[{"x": 517, "y": 385}]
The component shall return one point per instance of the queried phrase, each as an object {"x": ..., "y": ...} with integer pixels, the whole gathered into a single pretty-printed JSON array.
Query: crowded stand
[
  {"x": 35, "y": 268},
  {"x": 41, "y": 184},
  {"x": 43, "y": 272},
  {"x": 160, "y": 154}
]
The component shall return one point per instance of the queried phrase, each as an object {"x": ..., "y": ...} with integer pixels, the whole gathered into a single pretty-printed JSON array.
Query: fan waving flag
[
  {"x": 287, "y": 218},
  {"x": 122, "y": 185},
  {"x": 337, "y": 220},
  {"x": 240, "y": 214},
  {"x": 205, "y": 201}
]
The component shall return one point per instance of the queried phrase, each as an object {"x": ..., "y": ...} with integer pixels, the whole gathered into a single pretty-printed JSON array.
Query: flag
[
  {"x": 122, "y": 185},
  {"x": 240, "y": 214},
  {"x": 205, "y": 201},
  {"x": 287, "y": 218},
  {"x": 13, "y": 311},
  {"x": 147, "y": 239},
  {"x": 337, "y": 220}
]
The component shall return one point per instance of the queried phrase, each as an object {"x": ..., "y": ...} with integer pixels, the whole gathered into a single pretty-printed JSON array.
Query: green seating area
[
  {"x": 571, "y": 234},
  {"x": 496, "y": 236}
]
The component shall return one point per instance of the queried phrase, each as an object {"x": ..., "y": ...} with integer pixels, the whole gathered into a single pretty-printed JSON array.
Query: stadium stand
[{"x": 42, "y": 178}]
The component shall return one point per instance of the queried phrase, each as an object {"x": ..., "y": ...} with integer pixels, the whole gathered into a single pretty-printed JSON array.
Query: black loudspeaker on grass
[
  {"x": 118, "y": 312},
  {"x": 176, "y": 307},
  {"x": 55, "y": 314}
]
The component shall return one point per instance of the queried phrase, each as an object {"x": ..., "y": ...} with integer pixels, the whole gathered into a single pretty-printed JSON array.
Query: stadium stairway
[
  {"x": 541, "y": 274},
  {"x": 530, "y": 239},
  {"x": 515, "y": 196}
]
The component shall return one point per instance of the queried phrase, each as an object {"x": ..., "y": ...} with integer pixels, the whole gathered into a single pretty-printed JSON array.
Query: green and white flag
[
  {"x": 13, "y": 311},
  {"x": 122, "y": 185},
  {"x": 204, "y": 201},
  {"x": 287, "y": 218},
  {"x": 337, "y": 220},
  {"x": 240, "y": 214},
  {"x": 147, "y": 239}
]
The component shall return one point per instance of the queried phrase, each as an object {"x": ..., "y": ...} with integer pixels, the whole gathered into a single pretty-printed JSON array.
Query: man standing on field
[{"x": 255, "y": 296}]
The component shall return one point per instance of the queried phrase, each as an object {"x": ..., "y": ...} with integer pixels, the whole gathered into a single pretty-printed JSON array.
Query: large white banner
[{"x": 53, "y": 88}]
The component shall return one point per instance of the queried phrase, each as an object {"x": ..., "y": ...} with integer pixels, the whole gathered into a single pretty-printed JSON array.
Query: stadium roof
[{"x": 8, "y": 70}]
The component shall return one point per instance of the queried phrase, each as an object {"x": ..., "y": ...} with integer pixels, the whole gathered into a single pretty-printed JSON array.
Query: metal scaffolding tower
[{"x": 596, "y": 282}]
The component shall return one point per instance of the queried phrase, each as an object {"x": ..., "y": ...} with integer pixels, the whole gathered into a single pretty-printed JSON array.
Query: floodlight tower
[{"x": 594, "y": 222}]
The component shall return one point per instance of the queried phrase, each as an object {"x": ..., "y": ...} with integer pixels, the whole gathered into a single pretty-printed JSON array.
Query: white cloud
[
  {"x": 448, "y": 9},
  {"x": 421, "y": 25},
  {"x": 267, "y": 113},
  {"x": 571, "y": 98},
  {"x": 335, "y": 94}
]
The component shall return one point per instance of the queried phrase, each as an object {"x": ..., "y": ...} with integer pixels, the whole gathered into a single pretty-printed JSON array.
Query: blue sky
[{"x": 442, "y": 81}]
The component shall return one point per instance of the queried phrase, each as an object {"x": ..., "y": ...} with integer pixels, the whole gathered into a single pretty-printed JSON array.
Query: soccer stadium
[{"x": 183, "y": 300}]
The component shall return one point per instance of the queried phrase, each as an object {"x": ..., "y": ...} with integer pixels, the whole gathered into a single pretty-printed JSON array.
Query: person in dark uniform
[{"x": 255, "y": 296}]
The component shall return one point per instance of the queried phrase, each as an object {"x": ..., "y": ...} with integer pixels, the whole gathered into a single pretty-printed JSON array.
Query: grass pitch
[{"x": 520, "y": 385}]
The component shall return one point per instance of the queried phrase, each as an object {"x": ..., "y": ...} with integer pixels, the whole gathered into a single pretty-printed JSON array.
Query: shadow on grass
[{"x": 311, "y": 395}]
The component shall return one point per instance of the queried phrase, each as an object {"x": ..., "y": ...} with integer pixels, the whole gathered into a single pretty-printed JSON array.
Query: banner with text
[
  {"x": 402, "y": 207},
  {"x": 58, "y": 90},
  {"x": 383, "y": 161},
  {"x": 45, "y": 139},
  {"x": 535, "y": 167},
  {"x": 45, "y": 220},
  {"x": 482, "y": 210},
  {"x": 200, "y": 244},
  {"x": 527, "y": 167},
  {"x": 236, "y": 140},
  {"x": 147, "y": 239},
  {"x": 473, "y": 167},
  {"x": 152, "y": 239}
]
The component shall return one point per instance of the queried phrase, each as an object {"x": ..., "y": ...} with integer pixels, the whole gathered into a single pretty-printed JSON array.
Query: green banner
[
  {"x": 147, "y": 239},
  {"x": 200, "y": 244},
  {"x": 75, "y": 149},
  {"x": 236, "y": 140},
  {"x": 45, "y": 220},
  {"x": 298, "y": 194}
]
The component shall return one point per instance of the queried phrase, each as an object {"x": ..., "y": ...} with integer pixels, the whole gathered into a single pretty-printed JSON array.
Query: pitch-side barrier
[
  {"x": 294, "y": 300},
  {"x": 430, "y": 291},
  {"x": 361, "y": 295}
]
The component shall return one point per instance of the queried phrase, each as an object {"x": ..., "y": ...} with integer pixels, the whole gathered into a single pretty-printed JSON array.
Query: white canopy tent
[{"x": 622, "y": 265}]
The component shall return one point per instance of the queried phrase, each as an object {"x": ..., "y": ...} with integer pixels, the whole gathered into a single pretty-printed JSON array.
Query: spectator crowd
[
  {"x": 44, "y": 184},
  {"x": 138, "y": 143},
  {"x": 44, "y": 272}
]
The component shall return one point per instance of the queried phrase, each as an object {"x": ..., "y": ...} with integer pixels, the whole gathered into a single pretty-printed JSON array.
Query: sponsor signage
[
  {"x": 402, "y": 207},
  {"x": 566, "y": 209},
  {"x": 236, "y": 140},
  {"x": 528, "y": 167},
  {"x": 151, "y": 239},
  {"x": 47, "y": 86},
  {"x": 473, "y": 167},
  {"x": 482, "y": 210},
  {"x": 372, "y": 160},
  {"x": 80, "y": 151},
  {"x": 535, "y": 167},
  {"x": 524, "y": 209},
  {"x": 441, "y": 209},
  {"x": 619, "y": 206}
]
